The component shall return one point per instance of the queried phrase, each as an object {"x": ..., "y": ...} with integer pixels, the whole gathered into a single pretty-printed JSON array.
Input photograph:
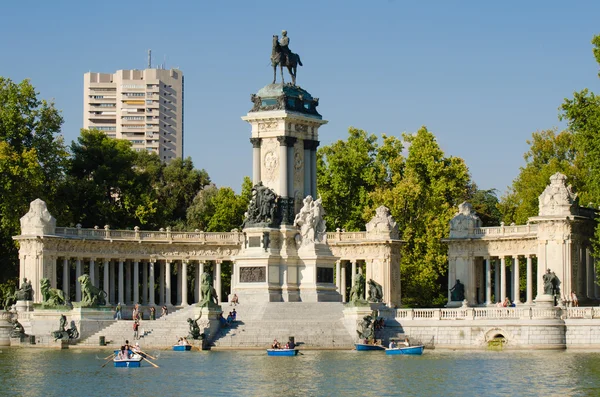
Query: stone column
[
  {"x": 144, "y": 283},
  {"x": 502, "y": 278},
  {"x": 106, "y": 282},
  {"x": 488, "y": 281},
  {"x": 283, "y": 161},
  {"x": 197, "y": 284},
  {"x": 92, "y": 271},
  {"x": 256, "y": 160},
  {"x": 353, "y": 275},
  {"x": 529, "y": 281},
  {"x": 184, "y": 283},
  {"x": 313, "y": 168},
  {"x": 217, "y": 282},
  {"x": 179, "y": 284},
  {"x": 113, "y": 278},
  {"x": 127, "y": 282},
  {"x": 151, "y": 279},
  {"x": 517, "y": 284},
  {"x": 307, "y": 168},
  {"x": 497, "y": 280},
  {"x": 161, "y": 284},
  {"x": 343, "y": 283},
  {"x": 66, "y": 274},
  {"x": 77, "y": 283},
  {"x": 136, "y": 281},
  {"x": 338, "y": 276},
  {"x": 121, "y": 283},
  {"x": 591, "y": 288},
  {"x": 168, "y": 283}
]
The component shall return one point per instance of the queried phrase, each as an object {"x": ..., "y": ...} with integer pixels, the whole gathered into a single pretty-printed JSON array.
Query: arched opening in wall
[{"x": 497, "y": 342}]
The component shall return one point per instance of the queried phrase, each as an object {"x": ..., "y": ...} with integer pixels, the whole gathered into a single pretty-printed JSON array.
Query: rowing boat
[
  {"x": 410, "y": 350},
  {"x": 282, "y": 352}
]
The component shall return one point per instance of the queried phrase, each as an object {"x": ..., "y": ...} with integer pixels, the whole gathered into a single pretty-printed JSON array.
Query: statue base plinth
[
  {"x": 544, "y": 301},
  {"x": 353, "y": 315},
  {"x": 24, "y": 306},
  {"x": 209, "y": 321}
]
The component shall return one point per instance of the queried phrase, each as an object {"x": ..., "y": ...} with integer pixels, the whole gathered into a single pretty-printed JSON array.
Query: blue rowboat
[
  {"x": 366, "y": 347},
  {"x": 182, "y": 348},
  {"x": 410, "y": 350},
  {"x": 134, "y": 361},
  {"x": 282, "y": 352}
]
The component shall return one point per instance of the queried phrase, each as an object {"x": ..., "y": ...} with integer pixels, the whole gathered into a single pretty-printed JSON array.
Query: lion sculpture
[
  {"x": 90, "y": 295},
  {"x": 51, "y": 296},
  {"x": 357, "y": 292},
  {"x": 207, "y": 291}
]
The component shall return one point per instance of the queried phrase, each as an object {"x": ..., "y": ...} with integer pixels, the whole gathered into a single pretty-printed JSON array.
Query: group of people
[
  {"x": 137, "y": 313},
  {"x": 394, "y": 345},
  {"x": 127, "y": 351},
  {"x": 289, "y": 345},
  {"x": 182, "y": 342},
  {"x": 230, "y": 318}
]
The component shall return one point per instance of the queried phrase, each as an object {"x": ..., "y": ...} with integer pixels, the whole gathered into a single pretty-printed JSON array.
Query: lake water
[{"x": 78, "y": 372}]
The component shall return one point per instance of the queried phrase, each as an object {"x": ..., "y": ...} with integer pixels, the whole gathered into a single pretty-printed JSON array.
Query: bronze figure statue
[
  {"x": 208, "y": 293},
  {"x": 375, "y": 292},
  {"x": 457, "y": 293},
  {"x": 282, "y": 56}
]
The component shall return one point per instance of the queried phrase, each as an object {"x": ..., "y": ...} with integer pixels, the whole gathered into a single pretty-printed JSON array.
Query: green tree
[
  {"x": 485, "y": 203},
  {"x": 423, "y": 199},
  {"x": 32, "y": 160},
  {"x": 347, "y": 171},
  {"x": 548, "y": 153}
]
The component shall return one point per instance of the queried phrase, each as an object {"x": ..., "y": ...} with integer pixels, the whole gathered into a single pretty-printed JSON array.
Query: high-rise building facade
[{"x": 143, "y": 106}]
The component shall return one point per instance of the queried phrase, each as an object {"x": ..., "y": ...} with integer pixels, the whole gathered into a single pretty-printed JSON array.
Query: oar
[
  {"x": 139, "y": 351},
  {"x": 155, "y": 366},
  {"x": 109, "y": 360},
  {"x": 109, "y": 356}
]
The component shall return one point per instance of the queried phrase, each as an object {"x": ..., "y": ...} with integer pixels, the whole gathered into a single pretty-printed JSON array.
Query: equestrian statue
[{"x": 282, "y": 56}]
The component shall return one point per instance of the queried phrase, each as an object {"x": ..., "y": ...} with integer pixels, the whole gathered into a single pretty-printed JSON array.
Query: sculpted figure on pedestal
[
  {"x": 366, "y": 328},
  {"x": 311, "y": 221},
  {"x": 383, "y": 223},
  {"x": 208, "y": 293},
  {"x": 90, "y": 295},
  {"x": 457, "y": 293},
  {"x": 51, "y": 296},
  {"x": 375, "y": 292},
  {"x": 25, "y": 293},
  {"x": 262, "y": 209},
  {"x": 357, "y": 292},
  {"x": 282, "y": 56},
  {"x": 551, "y": 283},
  {"x": 194, "y": 330}
]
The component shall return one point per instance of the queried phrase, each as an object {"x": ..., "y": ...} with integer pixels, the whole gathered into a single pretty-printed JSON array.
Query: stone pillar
[
  {"x": 529, "y": 281},
  {"x": 255, "y": 160},
  {"x": 151, "y": 279},
  {"x": 353, "y": 275},
  {"x": 127, "y": 282},
  {"x": 307, "y": 168},
  {"x": 168, "y": 283},
  {"x": 343, "y": 283},
  {"x": 488, "y": 281},
  {"x": 517, "y": 284},
  {"x": 596, "y": 286},
  {"x": 496, "y": 280},
  {"x": 313, "y": 168},
  {"x": 106, "y": 282},
  {"x": 502, "y": 278},
  {"x": 136, "y": 281},
  {"x": 217, "y": 282},
  {"x": 184, "y": 283},
  {"x": 338, "y": 276},
  {"x": 66, "y": 274},
  {"x": 591, "y": 288},
  {"x": 92, "y": 271},
  {"x": 283, "y": 161},
  {"x": 161, "y": 284},
  {"x": 197, "y": 284},
  {"x": 113, "y": 278},
  {"x": 144, "y": 283},
  {"x": 77, "y": 283},
  {"x": 121, "y": 283},
  {"x": 178, "y": 290}
]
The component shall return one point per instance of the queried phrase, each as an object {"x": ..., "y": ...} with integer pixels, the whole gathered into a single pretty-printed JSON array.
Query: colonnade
[
  {"x": 131, "y": 281},
  {"x": 499, "y": 265}
]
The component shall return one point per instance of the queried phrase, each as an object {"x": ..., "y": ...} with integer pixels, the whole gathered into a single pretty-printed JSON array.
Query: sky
[{"x": 481, "y": 75}]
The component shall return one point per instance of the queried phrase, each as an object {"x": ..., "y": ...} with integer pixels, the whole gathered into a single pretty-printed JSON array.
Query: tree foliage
[{"x": 32, "y": 159}]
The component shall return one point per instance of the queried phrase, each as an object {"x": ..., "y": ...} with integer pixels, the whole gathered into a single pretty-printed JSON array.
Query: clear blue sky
[{"x": 481, "y": 75}]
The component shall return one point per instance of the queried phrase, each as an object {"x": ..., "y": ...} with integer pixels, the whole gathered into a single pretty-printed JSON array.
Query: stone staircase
[
  {"x": 162, "y": 332},
  {"x": 313, "y": 325}
]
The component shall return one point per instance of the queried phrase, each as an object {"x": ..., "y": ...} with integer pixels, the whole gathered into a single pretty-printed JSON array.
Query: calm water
[{"x": 39, "y": 372}]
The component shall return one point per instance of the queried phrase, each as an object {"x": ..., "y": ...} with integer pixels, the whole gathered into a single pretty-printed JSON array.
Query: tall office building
[{"x": 143, "y": 106}]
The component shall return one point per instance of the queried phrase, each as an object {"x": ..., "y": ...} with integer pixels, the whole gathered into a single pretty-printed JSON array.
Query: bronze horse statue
[{"x": 278, "y": 57}]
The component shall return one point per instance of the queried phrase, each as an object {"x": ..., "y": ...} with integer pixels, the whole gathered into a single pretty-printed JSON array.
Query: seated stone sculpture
[
  {"x": 366, "y": 328},
  {"x": 194, "y": 330},
  {"x": 357, "y": 292},
  {"x": 457, "y": 293},
  {"x": 17, "y": 329},
  {"x": 375, "y": 292},
  {"x": 208, "y": 294},
  {"x": 25, "y": 293}
]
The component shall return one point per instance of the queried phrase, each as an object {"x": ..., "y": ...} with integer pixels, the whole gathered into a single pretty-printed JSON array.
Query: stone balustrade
[
  {"x": 529, "y": 230},
  {"x": 500, "y": 313},
  {"x": 346, "y": 236},
  {"x": 153, "y": 236}
]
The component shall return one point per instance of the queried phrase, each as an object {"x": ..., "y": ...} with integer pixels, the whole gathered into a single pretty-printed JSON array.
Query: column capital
[
  {"x": 310, "y": 144},
  {"x": 256, "y": 142},
  {"x": 286, "y": 140}
]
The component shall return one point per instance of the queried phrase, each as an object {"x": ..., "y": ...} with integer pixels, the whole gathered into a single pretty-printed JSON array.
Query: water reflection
[{"x": 39, "y": 372}]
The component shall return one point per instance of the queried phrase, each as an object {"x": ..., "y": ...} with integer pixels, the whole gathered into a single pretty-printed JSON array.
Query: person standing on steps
[
  {"x": 164, "y": 311},
  {"x": 118, "y": 311},
  {"x": 136, "y": 326},
  {"x": 152, "y": 313}
]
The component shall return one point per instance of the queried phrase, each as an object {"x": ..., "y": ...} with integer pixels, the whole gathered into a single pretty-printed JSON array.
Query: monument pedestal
[
  {"x": 316, "y": 273},
  {"x": 353, "y": 315},
  {"x": 544, "y": 301},
  {"x": 24, "y": 306},
  {"x": 208, "y": 319}
]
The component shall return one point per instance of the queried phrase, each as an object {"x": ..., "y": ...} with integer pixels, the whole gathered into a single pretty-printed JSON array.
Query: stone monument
[{"x": 285, "y": 256}]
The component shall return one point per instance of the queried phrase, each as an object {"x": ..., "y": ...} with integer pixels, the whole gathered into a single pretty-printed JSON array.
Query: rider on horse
[{"x": 284, "y": 44}]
